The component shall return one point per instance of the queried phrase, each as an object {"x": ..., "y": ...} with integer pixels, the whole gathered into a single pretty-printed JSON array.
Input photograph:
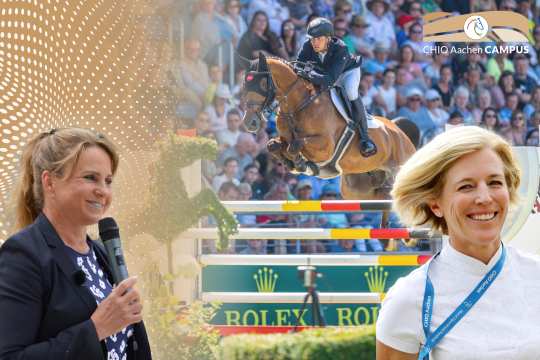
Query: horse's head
[{"x": 259, "y": 93}]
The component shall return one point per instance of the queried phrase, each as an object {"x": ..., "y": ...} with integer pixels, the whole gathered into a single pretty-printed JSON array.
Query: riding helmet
[{"x": 320, "y": 27}]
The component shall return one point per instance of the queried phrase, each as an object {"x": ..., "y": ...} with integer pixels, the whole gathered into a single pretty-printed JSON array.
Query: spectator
[
  {"x": 531, "y": 139},
  {"x": 483, "y": 5},
  {"x": 289, "y": 40},
  {"x": 202, "y": 125},
  {"x": 259, "y": 38},
  {"x": 380, "y": 62},
  {"x": 243, "y": 151},
  {"x": 407, "y": 61},
  {"x": 388, "y": 93},
  {"x": 228, "y": 137},
  {"x": 437, "y": 114},
  {"x": 404, "y": 22},
  {"x": 358, "y": 220},
  {"x": 415, "y": 10},
  {"x": 490, "y": 120},
  {"x": 255, "y": 247},
  {"x": 299, "y": 11},
  {"x": 216, "y": 78},
  {"x": 206, "y": 28},
  {"x": 497, "y": 64},
  {"x": 340, "y": 27},
  {"x": 497, "y": 96},
  {"x": 251, "y": 174},
  {"x": 274, "y": 11},
  {"x": 279, "y": 191},
  {"x": 233, "y": 19},
  {"x": 511, "y": 105},
  {"x": 416, "y": 42},
  {"x": 303, "y": 192},
  {"x": 381, "y": 27},
  {"x": 507, "y": 83},
  {"x": 323, "y": 8},
  {"x": 484, "y": 101},
  {"x": 332, "y": 220},
  {"x": 444, "y": 86},
  {"x": 461, "y": 103},
  {"x": 343, "y": 10},
  {"x": 344, "y": 246},
  {"x": 432, "y": 72},
  {"x": 525, "y": 83},
  {"x": 219, "y": 108},
  {"x": 534, "y": 121},
  {"x": 455, "y": 119},
  {"x": 230, "y": 169},
  {"x": 473, "y": 58},
  {"x": 244, "y": 194},
  {"x": 518, "y": 128},
  {"x": 534, "y": 104},
  {"x": 368, "y": 90},
  {"x": 472, "y": 83},
  {"x": 417, "y": 113},
  {"x": 191, "y": 74},
  {"x": 357, "y": 40}
]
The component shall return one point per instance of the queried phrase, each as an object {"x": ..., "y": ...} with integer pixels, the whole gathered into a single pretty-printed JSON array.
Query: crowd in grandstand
[{"x": 401, "y": 76}]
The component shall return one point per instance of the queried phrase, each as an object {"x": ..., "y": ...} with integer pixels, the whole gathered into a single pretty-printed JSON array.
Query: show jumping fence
[{"x": 259, "y": 292}]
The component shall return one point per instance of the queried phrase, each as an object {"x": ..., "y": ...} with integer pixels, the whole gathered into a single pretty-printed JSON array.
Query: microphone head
[{"x": 108, "y": 229}]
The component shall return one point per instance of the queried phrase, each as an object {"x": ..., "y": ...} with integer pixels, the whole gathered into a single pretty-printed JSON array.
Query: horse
[{"x": 310, "y": 128}]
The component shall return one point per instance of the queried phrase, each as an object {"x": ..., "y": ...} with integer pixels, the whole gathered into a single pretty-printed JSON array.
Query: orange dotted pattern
[{"x": 81, "y": 63}]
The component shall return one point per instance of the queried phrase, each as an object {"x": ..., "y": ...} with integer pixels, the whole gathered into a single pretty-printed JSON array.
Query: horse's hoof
[
  {"x": 289, "y": 164},
  {"x": 295, "y": 146},
  {"x": 273, "y": 145},
  {"x": 252, "y": 126},
  {"x": 300, "y": 166},
  {"x": 314, "y": 168}
]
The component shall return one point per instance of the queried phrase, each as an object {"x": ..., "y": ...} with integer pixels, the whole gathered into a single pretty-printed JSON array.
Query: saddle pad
[{"x": 338, "y": 103}]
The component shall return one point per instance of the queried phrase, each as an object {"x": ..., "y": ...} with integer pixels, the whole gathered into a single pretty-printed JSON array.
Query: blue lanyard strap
[{"x": 432, "y": 339}]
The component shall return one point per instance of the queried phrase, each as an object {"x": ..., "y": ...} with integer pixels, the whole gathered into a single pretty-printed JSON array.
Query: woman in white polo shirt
[{"x": 476, "y": 299}]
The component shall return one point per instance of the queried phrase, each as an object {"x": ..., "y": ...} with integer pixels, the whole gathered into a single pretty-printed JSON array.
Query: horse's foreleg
[{"x": 276, "y": 147}]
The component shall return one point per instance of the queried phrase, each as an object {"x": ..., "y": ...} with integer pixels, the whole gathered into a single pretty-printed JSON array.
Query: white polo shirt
[{"x": 503, "y": 324}]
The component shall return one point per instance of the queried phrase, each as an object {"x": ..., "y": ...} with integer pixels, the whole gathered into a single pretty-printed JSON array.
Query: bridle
[{"x": 256, "y": 79}]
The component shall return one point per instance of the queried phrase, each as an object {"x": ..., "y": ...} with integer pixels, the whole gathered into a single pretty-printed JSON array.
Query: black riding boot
[{"x": 367, "y": 147}]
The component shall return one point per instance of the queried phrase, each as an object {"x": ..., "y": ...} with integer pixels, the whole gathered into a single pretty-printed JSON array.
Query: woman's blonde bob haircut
[{"x": 421, "y": 179}]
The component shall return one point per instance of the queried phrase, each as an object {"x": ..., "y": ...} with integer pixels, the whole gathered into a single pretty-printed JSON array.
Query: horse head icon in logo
[{"x": 476, "y": 27}]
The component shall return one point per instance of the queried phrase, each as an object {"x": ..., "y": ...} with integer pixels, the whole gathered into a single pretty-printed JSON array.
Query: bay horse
[{"x": 310, "y": 127}]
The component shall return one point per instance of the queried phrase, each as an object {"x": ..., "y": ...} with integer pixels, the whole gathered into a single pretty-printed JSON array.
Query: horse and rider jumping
[{"x": 311, "y": 128}]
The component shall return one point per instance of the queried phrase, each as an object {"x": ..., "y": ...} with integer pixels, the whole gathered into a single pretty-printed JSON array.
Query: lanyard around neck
[{"x": 432, "y": 339}]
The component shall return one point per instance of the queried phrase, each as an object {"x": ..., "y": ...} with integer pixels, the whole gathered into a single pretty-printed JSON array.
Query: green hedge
[{"x": 355, "y": 343}]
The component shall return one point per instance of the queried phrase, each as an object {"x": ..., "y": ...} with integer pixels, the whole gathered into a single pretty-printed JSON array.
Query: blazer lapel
[{"x": 61, "y": 257}]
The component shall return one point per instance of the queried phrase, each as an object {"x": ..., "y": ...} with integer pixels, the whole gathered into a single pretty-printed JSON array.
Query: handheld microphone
[
  {"x": 80, "y": 277},
  {"x": 109, "y": 233}
]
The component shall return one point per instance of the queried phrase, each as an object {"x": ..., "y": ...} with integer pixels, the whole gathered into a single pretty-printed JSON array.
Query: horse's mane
[
  {"x": 271, "y": 57},
  {"x": 281, "y": 60}
]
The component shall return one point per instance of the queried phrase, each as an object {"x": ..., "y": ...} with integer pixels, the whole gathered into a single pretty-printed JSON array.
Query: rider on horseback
[{"x": 334, "y": 63}]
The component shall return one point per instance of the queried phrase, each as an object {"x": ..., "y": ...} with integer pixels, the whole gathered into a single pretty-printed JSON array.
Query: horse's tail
[{"x": 409, "y": 128}]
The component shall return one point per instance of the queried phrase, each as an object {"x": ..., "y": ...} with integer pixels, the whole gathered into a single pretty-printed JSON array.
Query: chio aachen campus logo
[{"x": 491, "y": 27}]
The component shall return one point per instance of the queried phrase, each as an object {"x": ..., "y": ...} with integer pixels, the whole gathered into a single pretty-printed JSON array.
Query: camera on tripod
[{"x": 308, "y": 274}]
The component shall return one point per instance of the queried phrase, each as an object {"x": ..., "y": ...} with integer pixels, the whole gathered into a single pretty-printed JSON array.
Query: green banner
[
  {"x": 263, "y": 278},
  {"x": 286, "y": 314}
]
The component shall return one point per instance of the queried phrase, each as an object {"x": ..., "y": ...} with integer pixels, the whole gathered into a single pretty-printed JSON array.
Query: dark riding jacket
[{"x": 336, "y": 61}]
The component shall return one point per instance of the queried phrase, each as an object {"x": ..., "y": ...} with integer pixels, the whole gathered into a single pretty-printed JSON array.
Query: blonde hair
[
  {"x": 55, "y": 151},
  {"x": 421, "y": 178}
]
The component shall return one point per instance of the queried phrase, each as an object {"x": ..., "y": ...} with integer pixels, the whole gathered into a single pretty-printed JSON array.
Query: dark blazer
[
  {"x": 44, "y": 313},
  {"x": 336, "y": 61}
]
